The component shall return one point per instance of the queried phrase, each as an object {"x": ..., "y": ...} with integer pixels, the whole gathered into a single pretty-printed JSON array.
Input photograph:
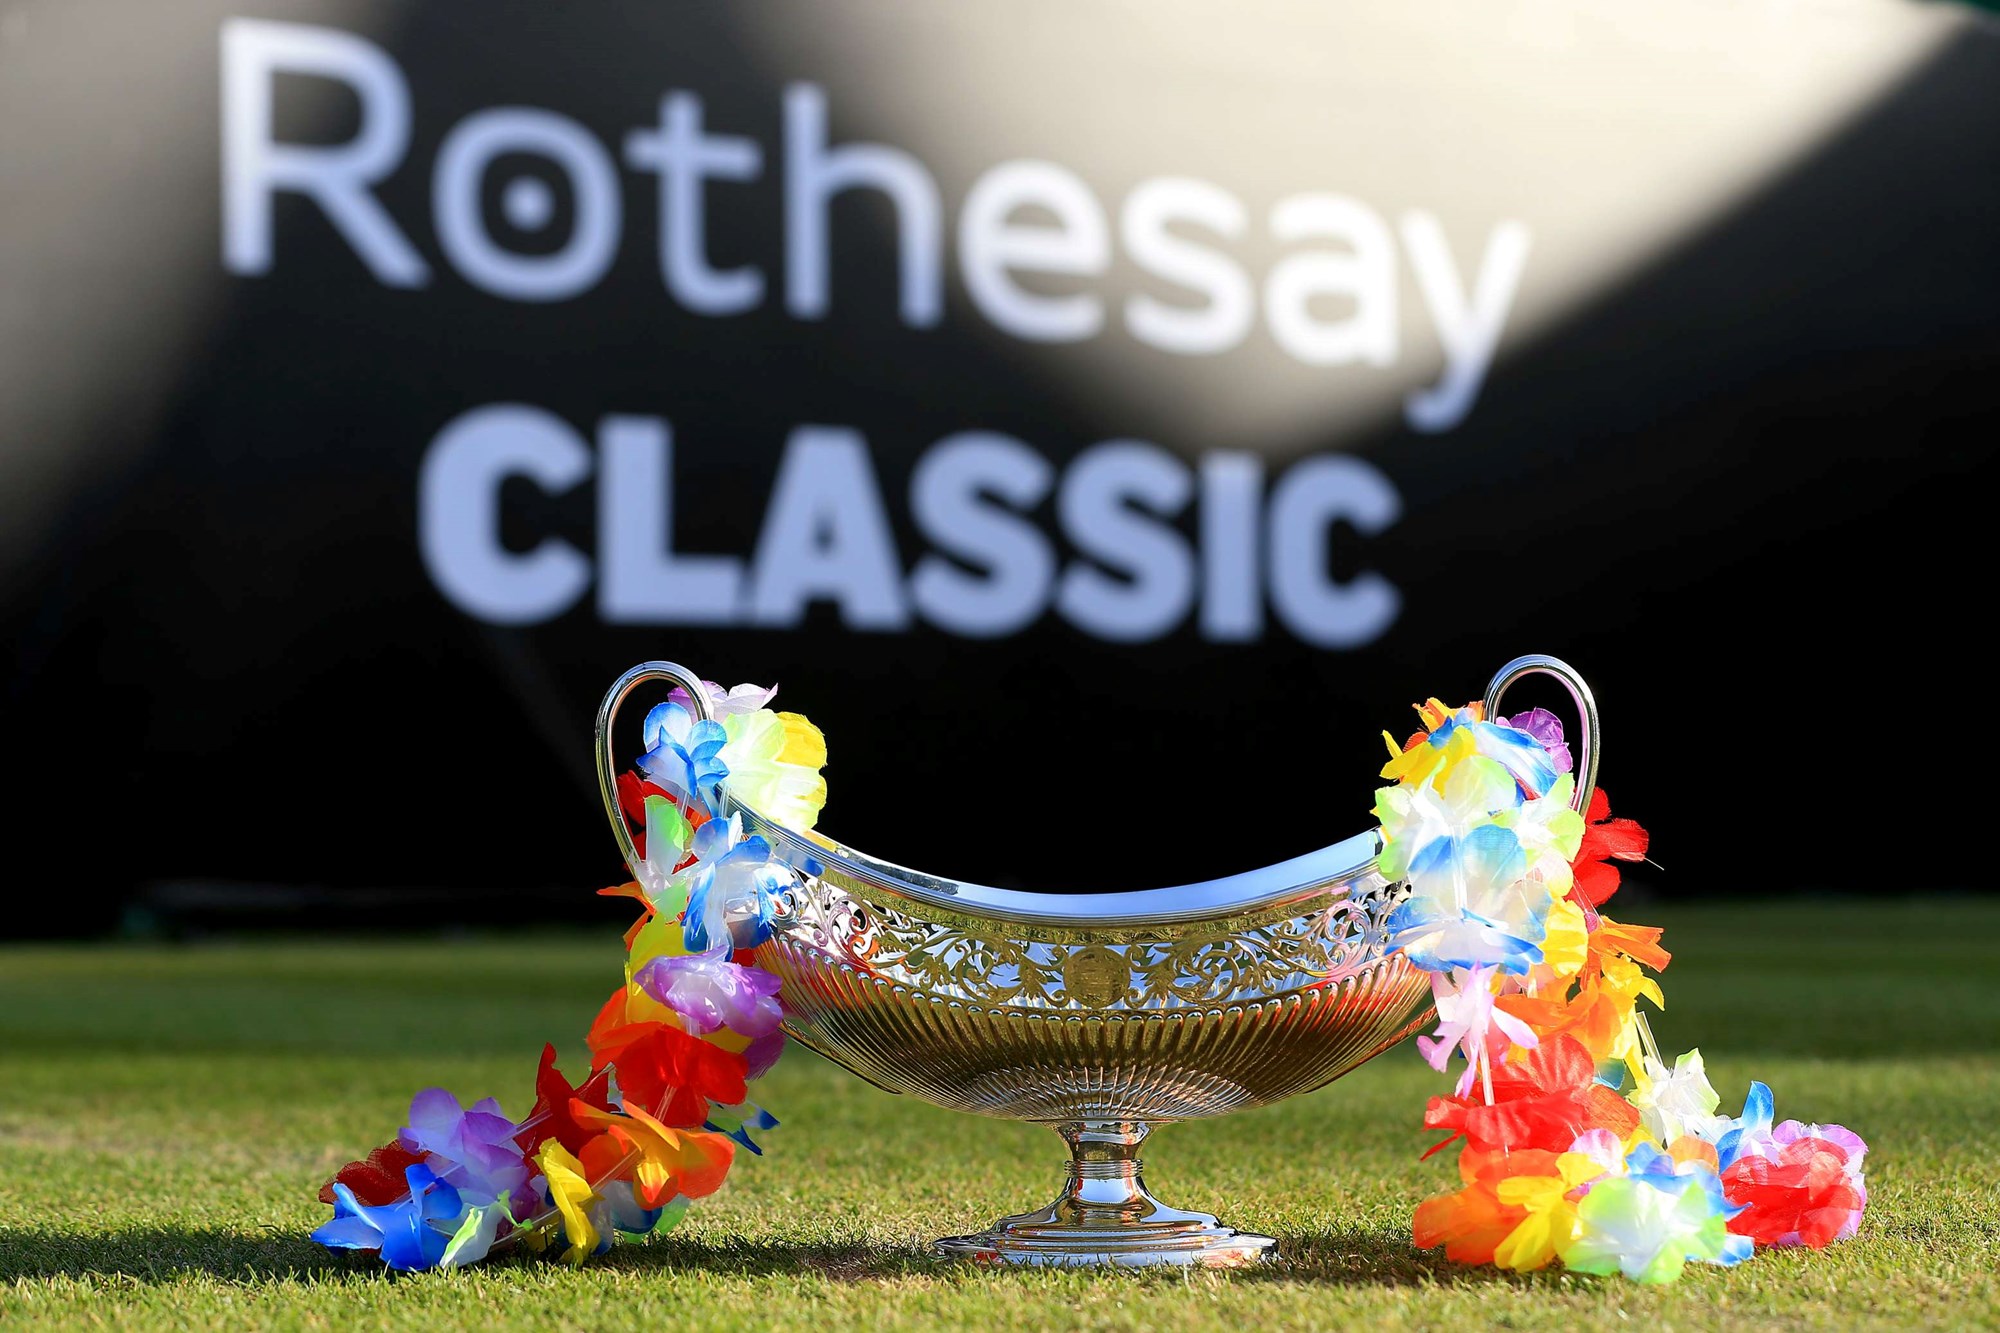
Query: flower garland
[
  {"x": 1580, "y": 1144},
  {"x": 657, "y": 1122}
]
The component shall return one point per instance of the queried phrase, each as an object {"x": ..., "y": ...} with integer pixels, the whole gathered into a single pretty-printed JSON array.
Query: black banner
[{"x": 1103, "y": 424}]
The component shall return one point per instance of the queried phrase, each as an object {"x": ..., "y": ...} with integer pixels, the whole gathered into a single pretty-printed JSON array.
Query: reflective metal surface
[
  {"x": 1105, "y": 1216},
  {"x": 1589, "y": 741},
  {"x": 1101, "y": 1014}
]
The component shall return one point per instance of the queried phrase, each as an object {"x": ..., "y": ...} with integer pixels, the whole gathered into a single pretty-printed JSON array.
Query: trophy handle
[
  {"x": 607, "y": 762},
  {"x": 1588, "y": 744}
]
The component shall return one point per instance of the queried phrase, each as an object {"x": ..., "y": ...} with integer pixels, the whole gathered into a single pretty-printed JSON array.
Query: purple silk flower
[
  {"x": 709, "y": 991},
  {"x": 1547, "y": 729},
  {"x": 471, "y": 1148}
]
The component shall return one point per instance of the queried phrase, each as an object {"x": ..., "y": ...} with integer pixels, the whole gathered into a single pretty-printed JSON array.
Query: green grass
[{"x": 166, "y": 1115}]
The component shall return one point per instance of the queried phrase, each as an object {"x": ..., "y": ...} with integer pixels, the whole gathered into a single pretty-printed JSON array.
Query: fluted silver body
[{"x": 1079, "y": 1023}]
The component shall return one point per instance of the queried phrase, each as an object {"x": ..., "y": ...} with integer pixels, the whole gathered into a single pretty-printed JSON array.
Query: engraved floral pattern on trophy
[{"x": 1132, "y": 970}]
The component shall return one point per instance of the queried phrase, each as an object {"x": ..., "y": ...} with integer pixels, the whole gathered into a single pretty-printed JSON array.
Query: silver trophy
[{"x": 1099, "y": 1014}]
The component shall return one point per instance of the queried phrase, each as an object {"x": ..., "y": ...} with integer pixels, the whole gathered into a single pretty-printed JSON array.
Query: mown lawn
[{"x": 167, "y": 1114}]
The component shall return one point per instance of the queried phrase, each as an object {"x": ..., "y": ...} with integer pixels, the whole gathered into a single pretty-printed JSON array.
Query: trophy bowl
[{"x": 1100, "y": 1014}]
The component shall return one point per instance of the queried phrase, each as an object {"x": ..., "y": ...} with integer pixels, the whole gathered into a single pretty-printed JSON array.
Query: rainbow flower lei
[
  {"x": 1580, "y": 1144},
  {"x": 657, "y": 1122}
]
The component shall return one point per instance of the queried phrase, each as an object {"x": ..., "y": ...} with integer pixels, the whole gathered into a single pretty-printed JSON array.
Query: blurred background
[{"x": 1115, "y": 415}]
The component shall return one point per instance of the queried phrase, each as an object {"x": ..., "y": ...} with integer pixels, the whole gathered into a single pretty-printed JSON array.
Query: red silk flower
[
  {"x": 553, "y": 1117},
  {"x": 378, "y": 1178},
  {"x": 670, "y": 1075},
  {"x": 1800, "y": 1196},
  {"x": 1544, "y": 1102},
  {"x": 674, "y": 1076},
  {"x": 1605, "y": 840}
]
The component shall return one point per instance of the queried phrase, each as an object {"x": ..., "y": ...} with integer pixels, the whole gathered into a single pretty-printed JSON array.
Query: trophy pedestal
[{"x": 1105, "y": 1218}]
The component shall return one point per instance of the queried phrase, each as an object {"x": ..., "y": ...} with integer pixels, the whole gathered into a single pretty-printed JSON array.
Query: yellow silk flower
[
  {"x": 1426, "y": 761},
  {"x": 660, "y": 937},
  {"x": 1602, "y": 1013},
  {"x": 1565, "y": 947},
  {"x": 1552, "y": 1223},
  {"x": 571, "y": 1192},
  {"x": 774, "y": 765}
]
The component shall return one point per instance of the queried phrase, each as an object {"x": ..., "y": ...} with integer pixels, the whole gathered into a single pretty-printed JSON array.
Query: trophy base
[
  {"x": 1205, "y": 1245},
  {"x": 1106, "y": 1218}
]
